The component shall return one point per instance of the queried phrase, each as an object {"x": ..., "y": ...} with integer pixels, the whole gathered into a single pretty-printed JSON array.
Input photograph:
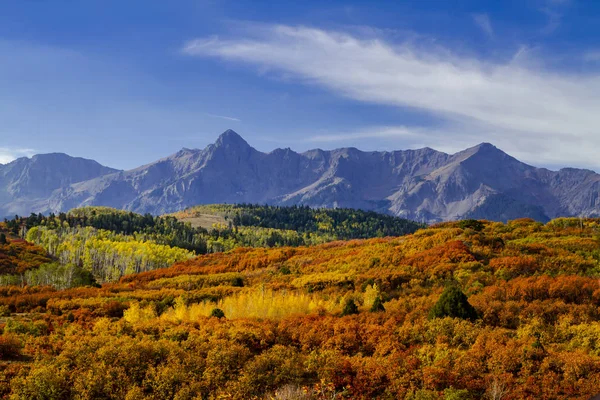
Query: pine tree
[
  {"x": 3, "y": 238},
  {"x": 217, "y": 313},
  {"x": 453, "y": 303},
  {"x": 377, "y": 305},
  {"x": 350, "y": 308}
]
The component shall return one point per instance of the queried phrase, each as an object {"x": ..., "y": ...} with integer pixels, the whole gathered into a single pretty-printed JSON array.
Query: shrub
[
  {"x": 10, "y": 347},
  {"x": 37, "y": 328},
  {"x": 114, "y": 309},
  {"x": 237, "y": 282},
  {"x": 471, "y": 224},
  {"x": 42, "y": 382},
  {"x": 4, "y": 311},
  {"x": 217, "y": 313}
]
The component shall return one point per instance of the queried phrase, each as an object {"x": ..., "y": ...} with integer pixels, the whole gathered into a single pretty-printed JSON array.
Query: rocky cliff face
[
  {"x": 26, "y": 184},
  {"x": 424, "y": 184}
]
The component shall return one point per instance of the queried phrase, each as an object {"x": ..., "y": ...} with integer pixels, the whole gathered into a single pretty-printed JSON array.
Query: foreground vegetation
[{"x": 464, "y": 310}]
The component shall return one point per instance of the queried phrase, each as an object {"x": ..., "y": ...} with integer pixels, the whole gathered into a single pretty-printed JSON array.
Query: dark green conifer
[
  {"x": 453, "y": 303},
  {"x": 350, "y": 308},
  {"x": 377, "y": 305}
]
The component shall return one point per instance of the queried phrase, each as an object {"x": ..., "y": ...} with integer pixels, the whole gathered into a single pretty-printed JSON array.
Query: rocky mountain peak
[
  {"x": 51, "y": 157},
  {"x": 232, "y": 140},
  {"x": 421, "y": 184},
  {"x": 482, "y": 149}
]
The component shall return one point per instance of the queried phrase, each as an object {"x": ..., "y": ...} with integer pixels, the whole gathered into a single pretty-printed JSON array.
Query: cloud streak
[
  {"x": 484, "y": 23},
  {"x": 372, "y": 132},
  {"x": 8, "y": 154},
  {"x": 515, "y": 105},
  {"x": 224, "y": 117}
]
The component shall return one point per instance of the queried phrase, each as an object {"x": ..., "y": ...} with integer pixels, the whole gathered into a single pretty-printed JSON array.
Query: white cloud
[
  {"x": 543, "y": 114},
  {"x": 484, "y": 23},
  {"x": 9, "y": 154}
]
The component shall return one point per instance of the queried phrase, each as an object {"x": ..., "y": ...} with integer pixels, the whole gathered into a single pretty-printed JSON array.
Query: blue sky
[{"x": 128, "y": 82}]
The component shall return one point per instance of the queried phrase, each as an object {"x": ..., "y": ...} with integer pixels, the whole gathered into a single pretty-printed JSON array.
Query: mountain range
[{"x": 424, "y": 185}]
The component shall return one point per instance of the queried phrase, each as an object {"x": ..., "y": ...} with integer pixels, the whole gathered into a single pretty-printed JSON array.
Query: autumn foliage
[
  {"x": 18, "y": 256},
  {"x": 344, "y": 320}
]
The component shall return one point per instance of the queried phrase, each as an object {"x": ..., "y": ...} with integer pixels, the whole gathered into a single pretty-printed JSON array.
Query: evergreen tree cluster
[
  {"x": 342, "y": 223},
  {"x": 249, "y": 226}
]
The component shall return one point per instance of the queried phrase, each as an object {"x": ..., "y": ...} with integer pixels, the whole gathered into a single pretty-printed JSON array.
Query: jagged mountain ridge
[
  {"x": 424, "y": 184},
  {"x": 26, "y": 184}
]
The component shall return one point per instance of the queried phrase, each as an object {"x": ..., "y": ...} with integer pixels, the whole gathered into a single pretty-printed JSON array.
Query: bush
[
  {"x": 114, "y": 309},
  {"x": 4, "y": 311},
  {"x": 457, "y": 394},
  {"x": 237, "y": 282},
  {"x": 217, "y": 313},
  {"x": 37, "y": 328},
  {"x": 10, "y": 347},
  {"x": 471, "y": 224},
  {"x": 42, "y": 382}
]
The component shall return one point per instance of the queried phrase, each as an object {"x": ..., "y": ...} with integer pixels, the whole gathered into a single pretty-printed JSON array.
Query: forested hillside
[
  {"x": 100, "y": 244},
  {"x": 336, "y": 223},
  {"x": 464, "y": 310}
]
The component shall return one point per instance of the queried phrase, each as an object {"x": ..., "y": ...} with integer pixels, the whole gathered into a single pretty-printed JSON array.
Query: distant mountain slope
[
  {"x": 26, "y": 184},
  {"x": 424, "y": 185}
]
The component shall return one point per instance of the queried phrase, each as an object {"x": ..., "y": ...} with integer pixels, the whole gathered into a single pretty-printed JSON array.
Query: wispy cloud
[
  {"x": 592, "y": 56},
  {"x": 484, "y": 23},
  {"x": 372, "y": 132},
  {"x": 553, "y": 22},
  {"x": 224, "y": 117},
  {"x": 542, "y": 114},
  {"x": 8, "y": 154},
  {"x": 554, "y": 11}
]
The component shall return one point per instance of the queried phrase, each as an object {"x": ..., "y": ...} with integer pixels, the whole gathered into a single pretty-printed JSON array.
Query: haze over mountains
[{"x": 424, "y": 184}]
